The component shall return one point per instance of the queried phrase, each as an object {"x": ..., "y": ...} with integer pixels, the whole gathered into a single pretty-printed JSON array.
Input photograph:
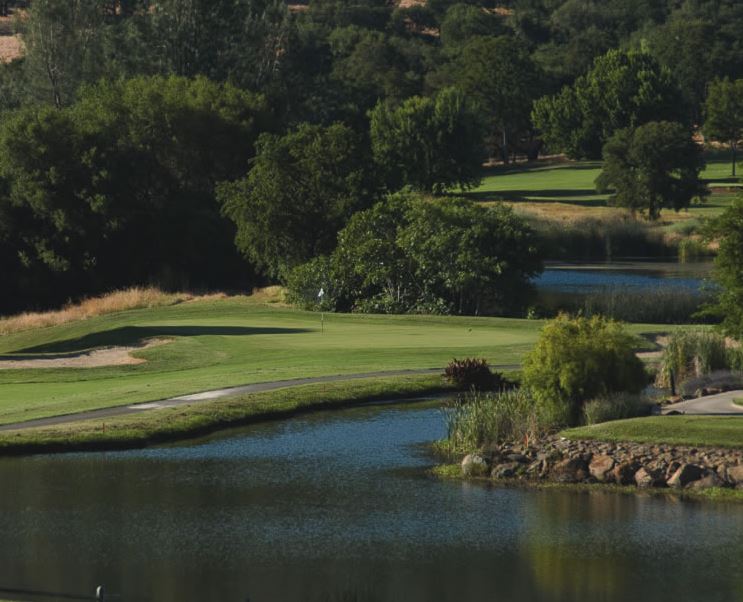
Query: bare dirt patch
[{"x": 97, "y": 358}]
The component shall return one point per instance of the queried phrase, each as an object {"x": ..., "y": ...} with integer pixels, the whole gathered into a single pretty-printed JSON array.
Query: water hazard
[{"x": 339, "y": 507}]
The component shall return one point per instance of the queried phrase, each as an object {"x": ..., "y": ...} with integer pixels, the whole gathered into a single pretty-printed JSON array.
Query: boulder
[
  {"x": 624, "y": 473},
  {"x": 570, "y": 470},
  {"x": 647, "y": 477},
  {"x": 474, "y": 465},
  {"x": 518, "y": 458},
  {"x": 686, "y": 473},
  {"x": 505, "y": 471},
  {"x": 600, "y": 468},
  {"x": 735, "y": 474},
  {"x": 709, "y": 479}
]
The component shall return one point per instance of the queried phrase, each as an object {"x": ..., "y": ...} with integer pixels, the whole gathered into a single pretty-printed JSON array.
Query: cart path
[
  {"x": 216, "y": 394},
  {"x": 720, "y": 404}
]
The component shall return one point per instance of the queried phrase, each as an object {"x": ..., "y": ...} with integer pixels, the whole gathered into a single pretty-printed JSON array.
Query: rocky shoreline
[{"x": 561, "y": 460}]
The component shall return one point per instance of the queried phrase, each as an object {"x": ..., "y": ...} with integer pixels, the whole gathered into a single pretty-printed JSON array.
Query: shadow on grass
[
  {"x": 134, "y": 335},
  {"x": 545, "y": 196}
]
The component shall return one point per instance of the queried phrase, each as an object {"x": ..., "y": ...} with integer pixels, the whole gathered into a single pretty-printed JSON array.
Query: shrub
[
  {"x": 617, "y": 406},
  {"x": 577, "y": 359},
  {"x": 473, "y": 373},
  {"x": 475, "y": 419},
  {"x": 305, "y": 281},
  {"x": 691, "y": 354}
]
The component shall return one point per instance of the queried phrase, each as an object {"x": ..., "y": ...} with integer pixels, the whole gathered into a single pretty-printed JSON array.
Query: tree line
[{"x": 139, "y": 139}]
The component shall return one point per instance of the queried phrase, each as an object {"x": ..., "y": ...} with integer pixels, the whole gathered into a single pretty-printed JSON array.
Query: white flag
[{"x": 321, "y": 294}]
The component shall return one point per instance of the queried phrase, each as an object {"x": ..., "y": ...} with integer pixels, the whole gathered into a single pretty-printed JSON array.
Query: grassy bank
[
  {"x": 217, "y": 343},
  {"x": 716, "y": 431},
  {"x": 717, "y": 494},
  {"x": 185, "y": 422}
]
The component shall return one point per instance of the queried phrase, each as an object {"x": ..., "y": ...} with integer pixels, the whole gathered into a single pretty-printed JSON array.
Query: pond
[
  {"x": 633, "y": 275},
  {"x": 340, "y": 507}
]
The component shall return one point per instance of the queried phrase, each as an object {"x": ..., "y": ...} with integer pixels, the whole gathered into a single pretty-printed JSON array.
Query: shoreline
[{"x": 191, "y": 421}]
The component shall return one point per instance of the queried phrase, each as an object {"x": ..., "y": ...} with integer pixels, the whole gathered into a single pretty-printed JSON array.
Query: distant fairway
[
  {"x": 567, "y": 189},
  {"x": 236, "y": 341}
]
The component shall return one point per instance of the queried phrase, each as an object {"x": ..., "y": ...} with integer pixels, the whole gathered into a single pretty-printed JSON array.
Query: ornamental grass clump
[
  {"x": 691, "y": 354},
  {"x": 617, "y": 406},
  {"x": 475, "y": 419}
]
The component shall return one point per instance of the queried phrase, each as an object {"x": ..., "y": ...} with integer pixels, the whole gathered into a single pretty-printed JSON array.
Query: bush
[
  {"x": 475, "y": 419},
  {"x": 473, "y": 373},
  {"x": 305, "y": 281},
  {"x": 577, "y": 359},
  {"x": 617, "y": 406},
  {"x": 691, "y": 354}
]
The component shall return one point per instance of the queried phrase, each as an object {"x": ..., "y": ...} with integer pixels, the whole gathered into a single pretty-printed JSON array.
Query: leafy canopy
[{"x": 651, "y": 168}]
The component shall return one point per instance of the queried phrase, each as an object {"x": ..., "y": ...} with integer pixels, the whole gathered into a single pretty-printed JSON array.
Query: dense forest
[{"x": 223, "y": 143}]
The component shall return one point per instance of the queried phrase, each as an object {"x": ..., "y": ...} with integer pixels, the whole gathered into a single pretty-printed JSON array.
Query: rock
[
  {"x": 624, "y": 473},
  {"x": 674, "y": 413},
  {"x": 709, "y": 479},
  {"x": 570, "y": 470},
  {"x": 646, "y": 477},
  {"x": 600, "y": 468},
  {"x": 474, "y": 465},
  {"x": 518, "y": 458},
  {"x": 735, "y": 474},
  {"x": 505, "y": 471},
  {"x": 686, "y": 473}
]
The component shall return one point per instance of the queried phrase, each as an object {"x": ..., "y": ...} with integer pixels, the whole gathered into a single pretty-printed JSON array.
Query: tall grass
[
  {"x": 131, "y": 298},
  {"x": 692, "y": 354},
  {"x": 617, "y": 406},
  {"x": 657, "y": 306},
  {"x": 476, "y": 419}
]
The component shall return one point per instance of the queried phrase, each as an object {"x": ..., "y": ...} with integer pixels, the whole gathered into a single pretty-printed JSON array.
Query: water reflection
[{"x": 337, "y": 507}]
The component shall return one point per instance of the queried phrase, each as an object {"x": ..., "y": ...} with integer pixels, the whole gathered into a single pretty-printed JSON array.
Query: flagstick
[{"x": 322, "y": 322}]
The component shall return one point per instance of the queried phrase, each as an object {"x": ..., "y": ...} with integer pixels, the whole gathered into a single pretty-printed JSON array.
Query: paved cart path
[{"x": 720, "y": 404}]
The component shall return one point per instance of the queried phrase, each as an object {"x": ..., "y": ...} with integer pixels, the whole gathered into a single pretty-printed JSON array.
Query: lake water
[
  {"x": 338, "y": 506},
  {"x": 632, "y": 276}
]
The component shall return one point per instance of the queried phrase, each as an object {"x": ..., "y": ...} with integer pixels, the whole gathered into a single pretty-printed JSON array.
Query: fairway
[
  {"x": 569, "y": 187},
  {"x": 236, "y": 341}
]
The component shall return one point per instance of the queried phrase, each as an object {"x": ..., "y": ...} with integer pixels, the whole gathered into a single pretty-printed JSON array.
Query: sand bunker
[{"x": 107, "y": 356}]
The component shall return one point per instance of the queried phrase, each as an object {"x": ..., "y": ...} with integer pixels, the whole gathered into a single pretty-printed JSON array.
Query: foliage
[
  {"x": 476, "y": 419},
  {"x": 430, "y": 144},
  {"x": 651, "y": 168},
  {"x": 301, "y": 189},
  {"x": 728, "y": 230},
  {"x": 103, "y": 193},
  {"x": 616, "y": 406},
  {"x": 690, "y": 354},
  {"x": 473, "y": 373},
  {"x": 724, "y": 113},
  {"x": 623, "y": 89},
  {"x": 722, "y": 380},
  {"x": 410, "y": 254},
  {"x": 578, "y": 359},
  {"x": 305, "y": 281}
]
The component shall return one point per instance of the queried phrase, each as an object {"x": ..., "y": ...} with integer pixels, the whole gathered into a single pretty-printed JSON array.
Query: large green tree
[
  {"x": 430, "y": 144},
  {"x": 653, "y": 167},
  {"x": 727, "y": 230},
  {"x": 724, "y": 113},
  {"x": 412, "y": 254},
  {"x": 623, "y": 89},
  {"x": 301, "y": 189}
]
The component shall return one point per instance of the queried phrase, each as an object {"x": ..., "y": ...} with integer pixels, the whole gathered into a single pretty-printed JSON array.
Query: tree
[
  {"x": 104, "y": 193},
  {"x": 622, "y": 90},
  {"x": 500, "y": 76},
  {"x": 411, "y": 254},
  {"x": 727, "y": 229},
  {"x": 300, "y": 190},
  {"x": 724, "y": 113},
  {"x": 651, "y": 168},
  {"x": 578, "y": 359},
  {"x": 430, "y": 144}
]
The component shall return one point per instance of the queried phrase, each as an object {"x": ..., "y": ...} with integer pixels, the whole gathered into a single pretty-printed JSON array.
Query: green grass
[
  {"x": 185, "y": 422},
  {"x": 235, "y": 341},
  {"x": 718, "y": 431},
  {"x": 572, "y": 183}
]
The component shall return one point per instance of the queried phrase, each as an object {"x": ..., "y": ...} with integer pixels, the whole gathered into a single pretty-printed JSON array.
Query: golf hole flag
[{"x": 321, "y": 294}]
